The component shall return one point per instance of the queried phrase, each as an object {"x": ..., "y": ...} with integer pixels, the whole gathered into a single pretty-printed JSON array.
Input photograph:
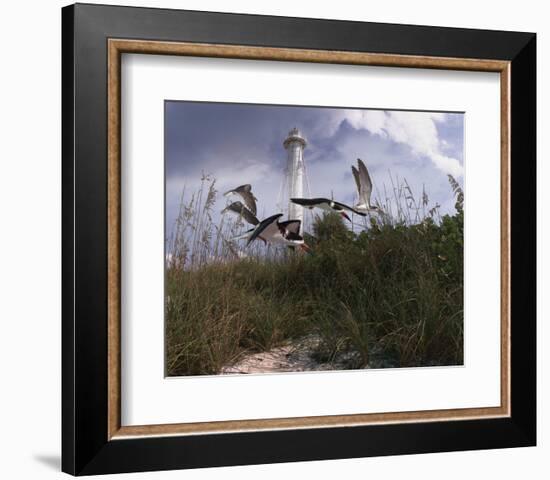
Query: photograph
[{"x": 312, "y": 238}]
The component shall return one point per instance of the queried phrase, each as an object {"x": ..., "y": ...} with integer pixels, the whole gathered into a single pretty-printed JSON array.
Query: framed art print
[{"x": 292, "y": 239}]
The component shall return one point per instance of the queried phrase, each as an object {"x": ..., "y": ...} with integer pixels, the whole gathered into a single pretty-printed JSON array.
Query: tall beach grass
[{"x": 389, "y": 292}]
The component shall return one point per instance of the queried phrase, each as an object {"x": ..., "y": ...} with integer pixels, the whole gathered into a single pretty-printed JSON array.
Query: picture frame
[{"x": 94, "y": 37}]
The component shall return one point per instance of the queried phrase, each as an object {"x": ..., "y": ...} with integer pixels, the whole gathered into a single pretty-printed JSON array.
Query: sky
[{"x": 243, "y": 143}]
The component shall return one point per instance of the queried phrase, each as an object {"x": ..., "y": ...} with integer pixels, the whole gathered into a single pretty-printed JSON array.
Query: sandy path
[{"x": 297, "y": 356}]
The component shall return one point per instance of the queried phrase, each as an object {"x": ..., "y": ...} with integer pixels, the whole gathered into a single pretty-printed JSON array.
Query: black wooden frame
[{"x": 85, "y": 448}]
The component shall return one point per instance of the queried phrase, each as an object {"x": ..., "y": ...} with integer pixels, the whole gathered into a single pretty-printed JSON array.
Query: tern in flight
[
  {"x": 327, "y": 205},
  {"x": 364, "y": 189},
  {"x": 272, "y": 231},
  {"x": 242, "y": 211},
  {"x": 245, "y": 192}
]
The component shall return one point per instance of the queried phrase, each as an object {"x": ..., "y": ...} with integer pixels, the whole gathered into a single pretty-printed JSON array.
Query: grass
[{"x": 392, "y": 290}]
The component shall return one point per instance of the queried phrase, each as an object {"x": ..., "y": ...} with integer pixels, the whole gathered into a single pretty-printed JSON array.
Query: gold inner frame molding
[{"x": 117, "y": 47}]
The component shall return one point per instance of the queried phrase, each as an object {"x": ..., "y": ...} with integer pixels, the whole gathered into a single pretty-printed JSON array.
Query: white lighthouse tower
[{"x": 295, "y": 172}]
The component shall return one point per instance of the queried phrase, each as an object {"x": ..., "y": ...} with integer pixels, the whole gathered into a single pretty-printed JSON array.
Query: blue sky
[{"x": 241, "y": 143}]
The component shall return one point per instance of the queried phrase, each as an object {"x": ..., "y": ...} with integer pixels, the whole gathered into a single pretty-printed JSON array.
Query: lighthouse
[{"x": 294, "y": 145}]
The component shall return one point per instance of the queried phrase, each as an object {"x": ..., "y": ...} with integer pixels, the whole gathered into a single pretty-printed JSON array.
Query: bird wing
[
  {"x": 292, "y": 226},
  {"x": 245, "y": 192},
  {"x": 249, "y": 200},
  {"x": 357, "y": 181},
  {"x": 309, "y": 202},
  {"x": 240, "y": 209},
  {"x": 365, "y": 181},
  {"x": 268, "y": 227},
  {"x": 247, "y": 188},
  {"x": 243, "y": 235},
  {"x": 241, "y": 188},
  {"x": 343, "y": 206}
]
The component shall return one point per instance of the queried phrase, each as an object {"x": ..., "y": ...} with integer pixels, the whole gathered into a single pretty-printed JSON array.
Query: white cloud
[
  {"x": 372, "y": 120},
  {"x": 418, "y": 130}
]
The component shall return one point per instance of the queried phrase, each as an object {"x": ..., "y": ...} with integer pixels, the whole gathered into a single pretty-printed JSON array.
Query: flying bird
[
  {"x": 242, "y": 211},
  {"x": 272, "y": 231},
  {"x": 327, "y": 205},
  {"x": 364, "y": 188},
  {"x": 245, "y": 192}
]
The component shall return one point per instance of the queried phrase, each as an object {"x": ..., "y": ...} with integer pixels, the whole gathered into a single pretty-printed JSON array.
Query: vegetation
[{"x": 394, "y": 289}]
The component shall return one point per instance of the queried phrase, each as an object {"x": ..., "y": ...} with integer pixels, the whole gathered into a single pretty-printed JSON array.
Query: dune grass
[{"x": 393, "y": 289}]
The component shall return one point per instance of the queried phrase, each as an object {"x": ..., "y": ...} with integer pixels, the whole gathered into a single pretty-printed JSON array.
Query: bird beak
[
  {"x": 345, "y": 215},
  {"x": 306, "y": 248}
]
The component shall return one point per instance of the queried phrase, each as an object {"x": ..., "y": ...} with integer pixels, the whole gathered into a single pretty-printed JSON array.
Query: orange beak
[
  {"x": 344, "y": 214},
  {"x": 306, "y": 248}
]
